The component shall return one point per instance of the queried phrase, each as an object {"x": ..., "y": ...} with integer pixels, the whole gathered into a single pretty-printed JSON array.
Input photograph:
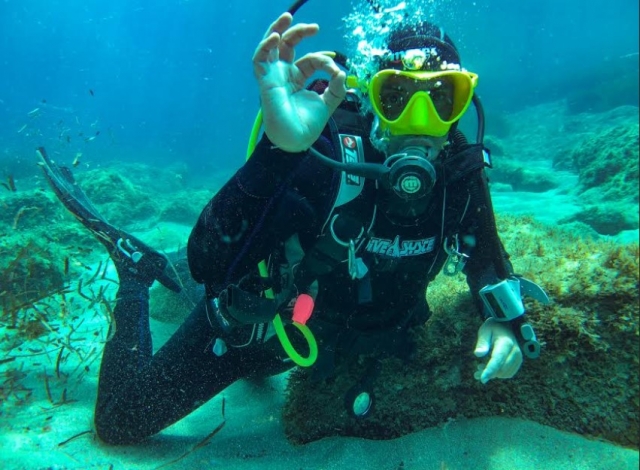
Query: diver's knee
[{"x": 110, "y": 432}]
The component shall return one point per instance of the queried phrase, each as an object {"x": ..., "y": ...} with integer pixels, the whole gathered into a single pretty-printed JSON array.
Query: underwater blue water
[{"x": 165, "y": 81}]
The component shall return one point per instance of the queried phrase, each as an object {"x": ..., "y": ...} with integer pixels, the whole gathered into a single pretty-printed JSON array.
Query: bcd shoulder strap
[
  {"x": 465, "y": 161},
  {"x": 351, "y": 212}
]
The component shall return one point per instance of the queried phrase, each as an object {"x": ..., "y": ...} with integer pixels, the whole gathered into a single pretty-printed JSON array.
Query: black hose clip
[{"x": 245, "y": 308}]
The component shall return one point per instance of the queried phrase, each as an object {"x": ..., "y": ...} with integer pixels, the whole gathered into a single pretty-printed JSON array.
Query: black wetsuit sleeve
[
  {"x": 233, "y": 218},
  {"x": 274, "y": 195},
  {"x": 488, "y": 258}
]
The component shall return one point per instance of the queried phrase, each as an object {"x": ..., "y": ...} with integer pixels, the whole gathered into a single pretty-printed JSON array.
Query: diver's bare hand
[
  {"x": 506, "y": 355},
  {"x": 294, "y": 116}
]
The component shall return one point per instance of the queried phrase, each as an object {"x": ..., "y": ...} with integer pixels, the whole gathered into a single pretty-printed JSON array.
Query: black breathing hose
[
  {"x": 296, "y": 6},
  {"x": 458, "y": 139},
  {"x": 480, "y": 113}
]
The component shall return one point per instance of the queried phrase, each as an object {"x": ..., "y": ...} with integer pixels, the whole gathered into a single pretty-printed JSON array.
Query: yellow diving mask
[{"x": 420, "y": 102}]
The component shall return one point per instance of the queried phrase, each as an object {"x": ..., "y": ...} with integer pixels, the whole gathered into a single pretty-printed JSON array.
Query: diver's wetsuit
[
  {"x": 272, "y": 197},
  {"x": 140, "y": 394}
]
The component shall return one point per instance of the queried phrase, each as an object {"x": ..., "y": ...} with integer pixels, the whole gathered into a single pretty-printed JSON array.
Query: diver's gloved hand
[
  {"x": 506, "y": 356},
  {"x": 293, "y": 116}
]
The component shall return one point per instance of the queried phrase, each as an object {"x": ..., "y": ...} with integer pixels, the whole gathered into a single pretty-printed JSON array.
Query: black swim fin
[{"x": 124, "y": 249}]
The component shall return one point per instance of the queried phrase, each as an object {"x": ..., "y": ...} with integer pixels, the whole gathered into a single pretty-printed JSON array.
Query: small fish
[
  {"x": 68, "y": 138},
  {"x": 10, "y": 184},
  {"x": 33, "y": 112},
  {"x": 89, "y": 139},
  {"x": 91, "y": 92},
  {"x": 66, "y": 266},
  {"x": 80, "y": 250},
  {"x": 22, "y": 128},
  {"x": 76, "y": 161}
]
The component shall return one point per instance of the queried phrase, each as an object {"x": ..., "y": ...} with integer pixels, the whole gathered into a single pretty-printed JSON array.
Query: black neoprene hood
[{"x": 425, "y": 35}]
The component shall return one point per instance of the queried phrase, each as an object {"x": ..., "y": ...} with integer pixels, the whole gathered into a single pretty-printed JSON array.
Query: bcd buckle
[
  {"x": 357, "y": 268},
  {"x": 456, "y": 260}
]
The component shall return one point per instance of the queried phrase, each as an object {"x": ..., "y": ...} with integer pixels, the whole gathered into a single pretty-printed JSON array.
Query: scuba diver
[{"x": 320, "y": 248}]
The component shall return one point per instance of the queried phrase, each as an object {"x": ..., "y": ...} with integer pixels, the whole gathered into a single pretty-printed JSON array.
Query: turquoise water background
[{"x": 172, "y": 80}]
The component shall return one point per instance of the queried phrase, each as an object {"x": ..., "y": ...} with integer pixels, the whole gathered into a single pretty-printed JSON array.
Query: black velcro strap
[{"x": 467, "y": 161}]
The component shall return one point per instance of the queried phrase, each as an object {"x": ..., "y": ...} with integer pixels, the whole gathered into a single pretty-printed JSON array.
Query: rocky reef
[
  {"x": 522, "y": 178},
  {"x": 136, "y": 195},
  {"x": 607, "y": 166},
  {"x": 589, "y": 160},
  {"x": 586, "y": 380},
  {"x": 608, "y": 161}
]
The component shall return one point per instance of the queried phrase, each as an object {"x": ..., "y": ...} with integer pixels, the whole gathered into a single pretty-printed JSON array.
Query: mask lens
[{"x": 442, "y": 96}]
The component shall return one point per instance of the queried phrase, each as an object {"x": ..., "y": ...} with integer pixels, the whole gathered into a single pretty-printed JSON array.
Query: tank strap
[{"x": 466, "y": 161}]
